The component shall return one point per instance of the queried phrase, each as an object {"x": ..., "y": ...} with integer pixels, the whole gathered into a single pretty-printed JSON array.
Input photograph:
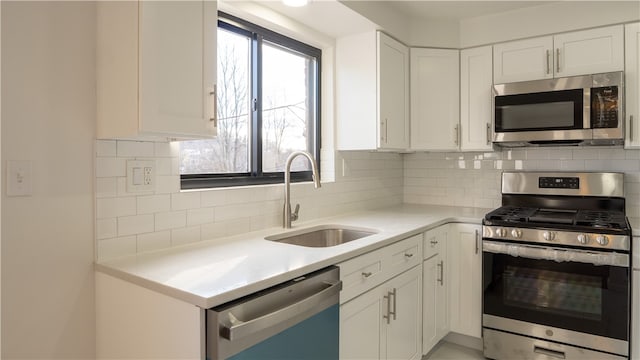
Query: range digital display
[{"x": 559, "y": 183}]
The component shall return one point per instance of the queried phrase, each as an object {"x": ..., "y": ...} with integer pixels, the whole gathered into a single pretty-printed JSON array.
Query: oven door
[{"x": 571, "y": 296}]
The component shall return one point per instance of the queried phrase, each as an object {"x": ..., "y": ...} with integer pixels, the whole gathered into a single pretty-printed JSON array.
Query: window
[{"x": 268, "y": 107}]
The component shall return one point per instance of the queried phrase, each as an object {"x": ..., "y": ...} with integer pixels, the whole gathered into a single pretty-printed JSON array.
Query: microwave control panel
[{"x": 604, "y": 107}]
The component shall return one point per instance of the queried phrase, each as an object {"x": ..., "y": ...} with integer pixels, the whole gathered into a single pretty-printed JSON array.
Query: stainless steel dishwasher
[{"x": 298, "y": 319}]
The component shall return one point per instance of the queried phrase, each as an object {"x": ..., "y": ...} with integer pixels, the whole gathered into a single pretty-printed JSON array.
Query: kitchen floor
[{"x": 450, "y": 351}]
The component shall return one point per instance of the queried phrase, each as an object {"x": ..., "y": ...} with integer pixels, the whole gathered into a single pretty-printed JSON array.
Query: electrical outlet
[{"x": 140, "y": 175}]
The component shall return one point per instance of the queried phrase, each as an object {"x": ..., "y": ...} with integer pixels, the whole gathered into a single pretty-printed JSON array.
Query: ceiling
[{"x": 457, "y": 10}]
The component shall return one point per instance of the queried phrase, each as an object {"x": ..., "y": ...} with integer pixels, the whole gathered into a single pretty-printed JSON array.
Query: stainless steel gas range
[{"x": 556, "y": 268}]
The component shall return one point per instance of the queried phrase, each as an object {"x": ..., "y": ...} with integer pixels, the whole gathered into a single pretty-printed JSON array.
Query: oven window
[
  {"x": 575, "y": 296},
  {"x": 557, "y": 110},
  {"x": 554, "y": 292}
]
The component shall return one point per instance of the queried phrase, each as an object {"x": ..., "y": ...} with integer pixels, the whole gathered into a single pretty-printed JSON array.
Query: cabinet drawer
[
  {"x": 404, "y": 255},
  {"x": 431, "y": 243},
  {"x": 360, "y": 274},
  {"x": 364, "y": 272}
]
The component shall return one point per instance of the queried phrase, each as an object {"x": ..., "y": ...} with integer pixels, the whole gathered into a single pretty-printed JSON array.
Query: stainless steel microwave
[{"x": 578, "y": 110}]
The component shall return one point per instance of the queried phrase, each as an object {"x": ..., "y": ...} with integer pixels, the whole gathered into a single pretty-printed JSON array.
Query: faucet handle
[{"x": 294, "y": 214}]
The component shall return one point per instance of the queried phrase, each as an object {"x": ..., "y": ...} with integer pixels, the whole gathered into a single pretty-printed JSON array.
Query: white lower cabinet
[
  {"x": 435, "y": 311},
  {"x": 465, "y": 291},
  {"x": 384, "y": 322}
]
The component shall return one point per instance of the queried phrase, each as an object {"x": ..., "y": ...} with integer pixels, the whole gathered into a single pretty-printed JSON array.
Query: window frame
[{"x": 256, "y": 176}]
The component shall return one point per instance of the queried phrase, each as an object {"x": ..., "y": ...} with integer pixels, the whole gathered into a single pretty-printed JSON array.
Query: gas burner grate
[
  {"x": 601, "y": 219},
  {"x": 511, "y": 214}
]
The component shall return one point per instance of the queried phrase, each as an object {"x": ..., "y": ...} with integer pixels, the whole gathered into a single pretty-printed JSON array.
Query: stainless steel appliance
[
  {"x": 295, "y": 320},
  {"x": 556, "y": 268},
  {"x": 579, "y": 110}
]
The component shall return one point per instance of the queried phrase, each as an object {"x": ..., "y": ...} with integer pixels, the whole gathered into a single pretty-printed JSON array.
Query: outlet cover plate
[{"x": 141, "y": 176}]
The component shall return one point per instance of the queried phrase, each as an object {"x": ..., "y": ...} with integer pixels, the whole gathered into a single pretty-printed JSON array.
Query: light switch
[
  {"x": 137, "y": 176},
  {"x": 140, "y": 175},
  {"x": 19, "y": 178}
]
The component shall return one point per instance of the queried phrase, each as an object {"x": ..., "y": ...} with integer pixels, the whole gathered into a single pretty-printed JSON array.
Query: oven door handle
[{"x": 556, "y": 254}]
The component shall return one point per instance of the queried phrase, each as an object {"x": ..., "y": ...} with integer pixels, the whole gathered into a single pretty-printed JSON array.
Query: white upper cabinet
[
  {"x": 575, "y": 53},
  {"x": 523, "y": 60},
  {"x": 476, "y": 98},
  {"x": 156, "y": 69},
  {"x": 372, "y": 92},
  {"x": 632, "y": 84},
  {"x": 435, "y": 99}
]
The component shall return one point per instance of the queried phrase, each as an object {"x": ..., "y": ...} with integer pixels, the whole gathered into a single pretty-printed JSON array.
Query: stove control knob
[
  {"x": 549, "y": 235},
  {"x": 602, "y": 240},
  {"x": 501, "y": 232},
  {"x": 516, "y": 233},
  {"x": 583, "y": 239}
]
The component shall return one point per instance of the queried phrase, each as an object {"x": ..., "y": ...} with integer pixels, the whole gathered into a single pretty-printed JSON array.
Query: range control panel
[{"x": 558, "y": 182}]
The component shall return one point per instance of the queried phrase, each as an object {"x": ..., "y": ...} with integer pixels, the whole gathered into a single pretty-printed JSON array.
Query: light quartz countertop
[{"x": 211, "y": 273}]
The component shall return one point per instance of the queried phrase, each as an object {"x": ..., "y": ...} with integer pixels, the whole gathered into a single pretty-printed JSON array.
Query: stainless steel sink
[{"x": 322, "y": 236}]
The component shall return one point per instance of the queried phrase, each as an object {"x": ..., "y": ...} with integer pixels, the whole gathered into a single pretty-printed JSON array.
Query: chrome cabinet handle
[
  {"x": 408, "y": 255},
  {"x": 457, "y": 134},
  {"x": 548, "y": 61},
  {"x": 488, "y": 133},
  {"x": 395, "y": 302},
  {"x": 388, "y": 316},
  {"x": 441, "y": 266},
  {"x": 213, "y": 103},
  {"x": 434, "y": 242},
  {"x": 366, "y": 274},
  {"x": 558, "y": 60},
  {"x": 477, "y": 246},
  {"x": 630, "y": 127}
]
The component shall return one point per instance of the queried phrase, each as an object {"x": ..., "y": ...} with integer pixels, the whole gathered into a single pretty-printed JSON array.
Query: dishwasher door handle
[{"x": 241, "y": 329}]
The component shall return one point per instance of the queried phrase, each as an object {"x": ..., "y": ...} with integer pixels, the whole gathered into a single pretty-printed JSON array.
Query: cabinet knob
[
  {"x": 366, "y": 274},
  {"x": 408, "y": 255}
]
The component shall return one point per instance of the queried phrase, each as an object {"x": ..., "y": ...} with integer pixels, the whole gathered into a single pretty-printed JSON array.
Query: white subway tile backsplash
[
  {"x": 110, "y": 167},
  {"x": 105, "y": 148},
  {"x": 150, "y": 204},
  {"x": 183, "y": 236},
  {"x": 153, "y": 241},
  {"x": 106, "y": 187},
  {"x": 167, "y": 184},
  {"x": 136, "y": 149},
  {"x": 116, "y": 247},
  {"x": 115, "y": 207},
  {"x": 137, "y": 224},
  {"x": 185, "y": 200},
  {"x": 170, "y": 220},
  {"x": 106, "y": 228},
  {"x": 165, "y": 149},
  {"x": 212, "y": 198},
  {"x": 200, "y": 216}
]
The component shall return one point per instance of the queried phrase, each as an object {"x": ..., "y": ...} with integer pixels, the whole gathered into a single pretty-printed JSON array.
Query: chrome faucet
[{"x": 289, "y": 216}]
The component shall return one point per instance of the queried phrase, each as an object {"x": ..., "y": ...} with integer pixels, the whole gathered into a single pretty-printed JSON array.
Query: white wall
[
  {"x": 48, "y": 88},
  {"x": 545, "y": 19}
]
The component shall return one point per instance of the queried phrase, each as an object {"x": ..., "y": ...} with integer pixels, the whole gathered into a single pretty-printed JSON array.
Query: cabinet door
[
  {"x": 434, "y": 303},
  {"x": 589, "y": 52},
  {"x": 435, "y": 94},
  {"x": 403, "y": 333},
  {"x": 465, "y": 255},
  {"x": 523, "y": 60},
  {"x": 476, "y": 98},
  {"x": 177, "y": 67},
  {"x": 632, "y": 84},
  {"x": 361, "y": 325},
  {"x": 393, "y": 93}
]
